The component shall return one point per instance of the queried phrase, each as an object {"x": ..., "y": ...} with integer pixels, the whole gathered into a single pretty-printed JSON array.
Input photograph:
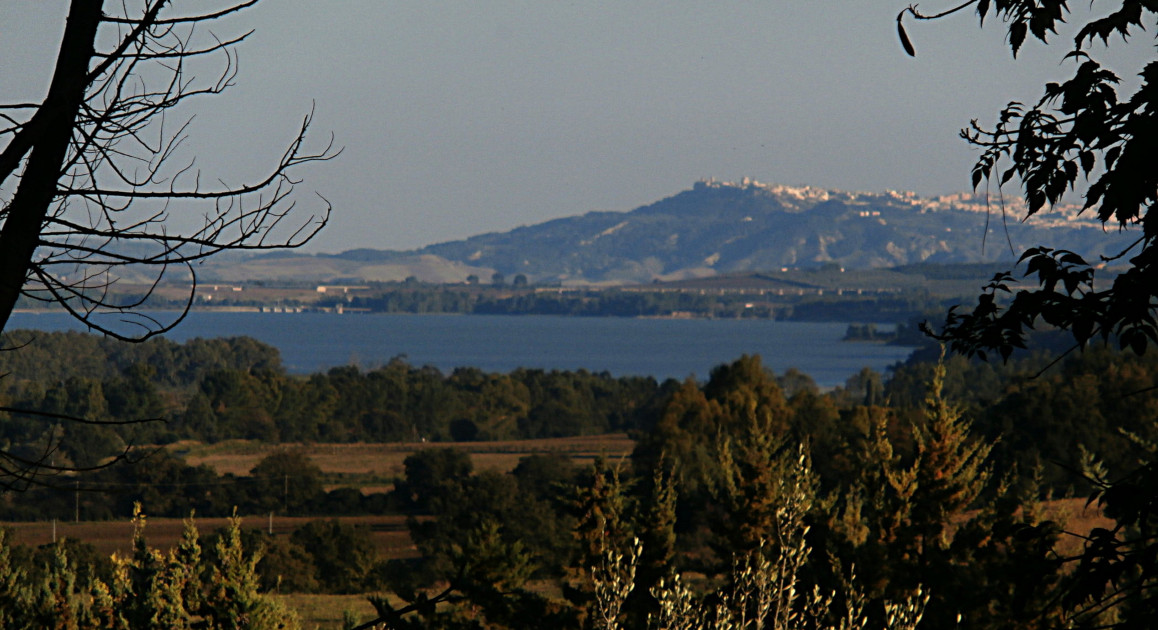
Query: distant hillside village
[{"x": 809, "y": 196}]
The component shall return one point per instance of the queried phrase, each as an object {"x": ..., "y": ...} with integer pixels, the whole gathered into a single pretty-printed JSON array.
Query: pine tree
[
  {"x": 148, "y": 590},
  {"x": 920, "y": 521},
  {"x": 950, "y": 469},
  {"x": 232, "y": 599}
]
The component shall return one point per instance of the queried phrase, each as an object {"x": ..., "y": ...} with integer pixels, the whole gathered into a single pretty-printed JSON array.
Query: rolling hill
[{"x": 715, "y": 228}]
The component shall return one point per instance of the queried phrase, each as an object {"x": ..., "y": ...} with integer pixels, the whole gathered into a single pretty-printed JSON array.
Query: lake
[{"x": 663, "y": 348}]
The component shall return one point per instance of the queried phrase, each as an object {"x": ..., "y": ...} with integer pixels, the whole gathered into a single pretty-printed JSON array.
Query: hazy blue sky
[{"x": 466, "y": 117}]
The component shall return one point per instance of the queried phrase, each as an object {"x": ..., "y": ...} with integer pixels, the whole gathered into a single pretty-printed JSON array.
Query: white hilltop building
[{"x": 800, "y": 197}]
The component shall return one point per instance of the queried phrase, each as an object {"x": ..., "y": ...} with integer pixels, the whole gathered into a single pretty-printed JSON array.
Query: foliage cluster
[
  {"x": 322, "y": 556},
  {"x": 1086, "y": 134},
  {"x": 222, "y": 389},
  {"x": 187, "y": 587},
  {"x": 719, "y": 493},
  {"x": 1043, "y": 414},
  {"x": 1082, "y": 128}
]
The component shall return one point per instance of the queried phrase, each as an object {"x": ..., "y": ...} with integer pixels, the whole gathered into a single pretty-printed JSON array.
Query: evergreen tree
[
  {"x": 919, "y": 521},
  {"x": 148, "y": 589}
]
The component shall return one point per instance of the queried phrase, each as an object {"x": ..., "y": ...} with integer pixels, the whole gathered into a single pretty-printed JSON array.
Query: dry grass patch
[
  {"x": 325, "y": 611},
  {"x": 384, "y": 461},
  {"x": 1075, "y": 518}
]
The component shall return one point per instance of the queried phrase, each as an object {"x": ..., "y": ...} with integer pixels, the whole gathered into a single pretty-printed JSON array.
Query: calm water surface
[{"x": 663, "y": 348}]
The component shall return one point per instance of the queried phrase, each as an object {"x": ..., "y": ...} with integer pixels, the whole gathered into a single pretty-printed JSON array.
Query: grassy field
[
  {"x": 384, "y": 461},
  {"x": 356, "y": 463},
  {"x": 1076, "y": 518},
  {"x": 325, "y": 611},
  {"x": 387, "y": 531}
]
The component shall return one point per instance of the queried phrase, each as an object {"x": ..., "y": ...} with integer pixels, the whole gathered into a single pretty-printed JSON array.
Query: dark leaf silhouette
[
  {"x": 905, "y": 43},
  {"x": 1046, "y": 146}
]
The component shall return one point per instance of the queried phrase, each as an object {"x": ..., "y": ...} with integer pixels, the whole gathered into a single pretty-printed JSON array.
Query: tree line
[
  {"x": 415, "y": 297},
  {"x": 213, "y": 390},
  {"x": 639, "y": 302}
]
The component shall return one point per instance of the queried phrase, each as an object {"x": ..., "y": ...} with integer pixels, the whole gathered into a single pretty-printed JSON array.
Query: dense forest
[
  {"x": 928, "y": 482},
  {"x": 213, "y": 390}
]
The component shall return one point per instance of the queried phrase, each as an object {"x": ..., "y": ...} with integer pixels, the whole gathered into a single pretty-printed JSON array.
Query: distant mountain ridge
[{"x": 727, "y": 227}]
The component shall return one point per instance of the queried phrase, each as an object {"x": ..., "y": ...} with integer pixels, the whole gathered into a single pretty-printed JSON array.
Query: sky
[{"x": 458, "y": 118}]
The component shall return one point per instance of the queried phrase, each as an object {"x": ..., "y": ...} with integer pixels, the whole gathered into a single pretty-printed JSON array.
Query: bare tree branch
[
  {"x": 96, "y": 185},
  {"x": 118, "y": 181}
]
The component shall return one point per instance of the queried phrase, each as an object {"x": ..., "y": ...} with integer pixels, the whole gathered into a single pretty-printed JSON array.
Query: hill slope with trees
[{"x": 713, "y": 228}]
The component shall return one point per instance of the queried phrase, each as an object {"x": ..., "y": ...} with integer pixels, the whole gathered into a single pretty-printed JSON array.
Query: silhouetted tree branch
[
  {"x": 94, "y": 188},
  {"x": 1080, "y": 127},
  {"x": 18, "y": 472},
  {"x": 98, "y": 188}
]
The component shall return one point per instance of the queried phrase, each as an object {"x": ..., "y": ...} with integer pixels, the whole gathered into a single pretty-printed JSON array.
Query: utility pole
[{"x": 77, "y": 516}]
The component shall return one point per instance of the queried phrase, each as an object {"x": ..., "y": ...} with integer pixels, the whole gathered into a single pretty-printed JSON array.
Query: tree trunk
[{"x": 51, "y": 130}]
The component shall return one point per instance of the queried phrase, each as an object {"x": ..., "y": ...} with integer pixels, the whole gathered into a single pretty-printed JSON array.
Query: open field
[
  {"x": 325, "y": 611},
  {"x": 1075, "y": 517},
  {"x": 371, "y": 467},
  {"x": 387, "y": 531},
  {"x": 384, "y": 461}
]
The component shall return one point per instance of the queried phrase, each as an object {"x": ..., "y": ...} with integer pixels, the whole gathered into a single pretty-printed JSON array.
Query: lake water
[{"x": 663, "y": 348}]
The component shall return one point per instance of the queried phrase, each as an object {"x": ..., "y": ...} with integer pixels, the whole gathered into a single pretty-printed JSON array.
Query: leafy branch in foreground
[{"x": 1081, "y": 127}]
